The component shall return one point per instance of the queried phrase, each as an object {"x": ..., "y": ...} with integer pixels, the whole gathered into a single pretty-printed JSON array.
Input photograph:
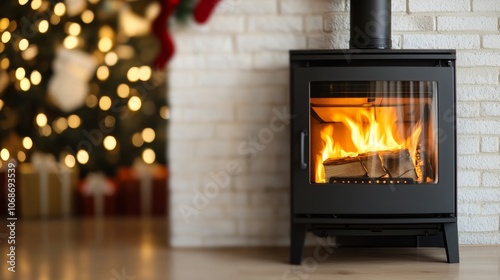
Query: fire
[{"x": 371, "y": 130}]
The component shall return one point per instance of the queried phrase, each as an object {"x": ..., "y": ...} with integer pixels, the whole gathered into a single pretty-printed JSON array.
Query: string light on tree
[
  {"x": 82, "y": 156},
  {"x": 109, "y": 143},
  {"x": 78, "y": 59},
  {"x": 21, "y": 156},
  {"x": 134, "y": 103},
  {"x": 4, "y": 154},
  {"x": 148, "y": 156},
  {"x": 27, "y": 143},
  {"x": 70, "y": 161},
  {"x": 105, "y": 103},
  {"x": 41, "y": 119}
]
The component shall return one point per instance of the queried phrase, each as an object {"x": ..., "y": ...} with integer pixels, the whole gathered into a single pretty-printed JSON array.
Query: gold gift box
[{"x": 38, "y": 201}]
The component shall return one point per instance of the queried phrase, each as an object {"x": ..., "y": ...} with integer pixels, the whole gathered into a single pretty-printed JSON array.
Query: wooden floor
[{"x": 135, "y": 249}]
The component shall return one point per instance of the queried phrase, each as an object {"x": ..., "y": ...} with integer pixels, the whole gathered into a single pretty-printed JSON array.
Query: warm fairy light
[
  {"x": 2, "y": 47},
  {"x": 21, "y": 156},
  {"x": 133, "y": 74},
  {"x": 30, "y": 52},
  {"x": 27, "y": 143},
  {"x": 165, "y": 113},
  {"x": 36, "y": 77},
  {"x": 41, "y": 119},
  {"x": 144, "y": 73},
  {"x": 23, "y": 44},
  {"x": 60, "y": 125},
  {"x": 105, "y": 103},
  {"x": 102, "y": 72},
  {"x": 20, "y": 73},
  {"x": 6, "y": 37},
  {"x": 54, "y": 19},
  {"x": 125, "y": 51},
  {"x": 4, "y": 23},
  {"x": 123, "y": 90},
  {"x": 134, "y": 103},
  {"x": 46, "y": 130},
  {"x": 87, "y": 16},
  {"x": 106, "y": 31},
  {"x": 74, "y": 29},
  {"x": 137, "y": 140},
  {"x": 70, "y": 42},
  {"x": 82, "y": 156},
  {"x": 5, "y": 63},
  {"x": 148, "y": 156},
  {"x": 59, "y": 9},
  {"x": 25, "y": 84},
  {"x": 1, "y": 104},
  {"x": 23, "y": 2},
  {"x": 74, "y": 121},
  {"x": 36, "y": 4},
  {"x": 70, "y": 161},
  {"x": 111, "y": 58},
  {"x": 109, "y": 121},
  {"x": 109, "y": 143},
  {"x": 105, "y": 44},
  {"x": 148, "y": 134},
  {"x": 4, "y": 154},
  {"x": 43, "y": 26},
  {"x": 91, "y": 101}
]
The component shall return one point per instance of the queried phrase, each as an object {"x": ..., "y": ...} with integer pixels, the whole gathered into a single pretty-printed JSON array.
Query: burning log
[
  {"x": 344, "y": 167},
  {"x": 386, "y": 164},
  {"x": 399, "y": 164}
]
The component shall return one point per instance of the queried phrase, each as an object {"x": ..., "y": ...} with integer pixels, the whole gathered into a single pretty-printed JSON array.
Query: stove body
[{"x": 373, "y": 145}]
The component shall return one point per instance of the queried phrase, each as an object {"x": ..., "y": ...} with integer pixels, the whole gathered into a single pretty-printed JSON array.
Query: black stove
[{"x": 373, "y": 141}]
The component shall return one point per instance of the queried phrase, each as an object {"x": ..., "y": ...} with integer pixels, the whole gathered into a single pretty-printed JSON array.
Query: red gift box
[
  {"x": 143, "y": 189},
  {"x": 98, "y": 195}
]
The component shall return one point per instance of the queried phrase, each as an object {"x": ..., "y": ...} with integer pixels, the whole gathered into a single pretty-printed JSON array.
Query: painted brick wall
[{"x": 228, "y": 138}]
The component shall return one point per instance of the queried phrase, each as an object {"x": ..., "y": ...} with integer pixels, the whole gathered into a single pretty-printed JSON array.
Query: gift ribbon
[
  {"x": 65, "y": 178},
  {"x": 44, "y": 163},
  {"x": 145, "y": 172},
  {"x": 97, "y": 185}
]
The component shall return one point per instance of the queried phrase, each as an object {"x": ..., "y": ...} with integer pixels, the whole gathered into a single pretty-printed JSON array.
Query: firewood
[
  {"x": 373, "y": 165},
  {"x": 399, "y": 164},
  {"x": 344, "y": 167},
  {"x": 385, "y": 164}
]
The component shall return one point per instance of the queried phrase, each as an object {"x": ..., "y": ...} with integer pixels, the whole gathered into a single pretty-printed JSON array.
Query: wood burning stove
[{"x": 373, "y": 140}]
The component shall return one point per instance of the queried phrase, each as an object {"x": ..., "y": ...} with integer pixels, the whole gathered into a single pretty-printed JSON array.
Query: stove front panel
[{"x": 373, "y": 140}]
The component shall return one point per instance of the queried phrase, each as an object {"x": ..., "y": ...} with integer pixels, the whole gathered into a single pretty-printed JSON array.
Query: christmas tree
[{"x": 78, "y": 80}]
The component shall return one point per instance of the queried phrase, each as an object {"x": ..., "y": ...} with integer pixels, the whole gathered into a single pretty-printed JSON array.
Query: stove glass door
[{"x": 373, "y": 132}]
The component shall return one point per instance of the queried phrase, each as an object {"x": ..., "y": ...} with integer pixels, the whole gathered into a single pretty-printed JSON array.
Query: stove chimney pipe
[{"x": 370, "y": 24}]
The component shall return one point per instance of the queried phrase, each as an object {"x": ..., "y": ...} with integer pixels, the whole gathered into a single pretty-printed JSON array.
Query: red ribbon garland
[
  {"x": 204, "y": 9},
  {"x": 160, "y": 29},
  {"x": 201, "y": 13}
]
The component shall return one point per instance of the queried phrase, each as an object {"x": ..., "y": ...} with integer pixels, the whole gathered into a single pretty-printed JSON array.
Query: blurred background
[
  {"x": 83, "y": 99},
  {"x": 83, "y": 122}
]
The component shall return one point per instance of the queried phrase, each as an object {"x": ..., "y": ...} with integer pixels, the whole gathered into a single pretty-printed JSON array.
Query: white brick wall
[{"x": 229, "y": 168}]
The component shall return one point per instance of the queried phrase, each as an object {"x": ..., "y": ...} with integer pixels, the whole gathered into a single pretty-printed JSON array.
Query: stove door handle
[{"x": 303, "y": 163}]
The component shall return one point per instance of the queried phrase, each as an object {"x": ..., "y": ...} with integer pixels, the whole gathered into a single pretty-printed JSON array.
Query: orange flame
[{"x": 371, "y": 131}]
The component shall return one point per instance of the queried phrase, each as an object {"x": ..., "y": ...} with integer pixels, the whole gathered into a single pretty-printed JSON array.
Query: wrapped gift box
[
  {"x": 45, "y": 188},
  {"x": 143, "y": 189},
  {"x": 98, "y": 195}
]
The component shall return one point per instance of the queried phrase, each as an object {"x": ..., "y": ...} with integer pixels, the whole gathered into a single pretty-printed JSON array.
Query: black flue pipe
[{"x": 370, "y": 24}]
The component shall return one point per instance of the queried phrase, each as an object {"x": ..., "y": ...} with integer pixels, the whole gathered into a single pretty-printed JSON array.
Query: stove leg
[
  {"x": 451, "y": 242},
  {"x": 297, "y": 237}
]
